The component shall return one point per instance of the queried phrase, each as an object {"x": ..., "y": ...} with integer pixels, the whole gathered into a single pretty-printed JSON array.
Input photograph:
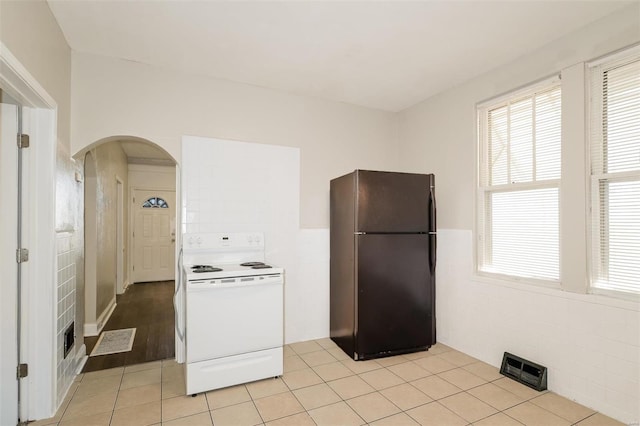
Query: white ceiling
[
  {"x": 138, "y": 152},
  {"x": 386, "y": 55}
]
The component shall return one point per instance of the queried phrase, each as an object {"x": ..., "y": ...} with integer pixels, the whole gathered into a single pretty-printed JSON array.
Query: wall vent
[
  {"x": 69, "y": 338},
  {"x": 526, "y": 372}
]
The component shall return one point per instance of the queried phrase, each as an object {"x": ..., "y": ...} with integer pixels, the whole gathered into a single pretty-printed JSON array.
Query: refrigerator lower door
[{"x": 395, "y": 306}]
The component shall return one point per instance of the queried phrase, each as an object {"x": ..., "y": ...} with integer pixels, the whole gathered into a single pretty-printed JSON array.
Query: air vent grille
[{"x": 526, "y": 372}]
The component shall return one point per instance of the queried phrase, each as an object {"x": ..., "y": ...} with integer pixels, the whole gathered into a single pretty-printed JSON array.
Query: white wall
[
  {"x": 590, "y": 343},
  {"x": 44, "y": 53},
  {"x": 114, "y": 97},
  {"x": 110, "y": 162}
]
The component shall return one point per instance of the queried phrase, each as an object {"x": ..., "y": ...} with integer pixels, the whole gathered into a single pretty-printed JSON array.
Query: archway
[{"x": 117, "y": 168}]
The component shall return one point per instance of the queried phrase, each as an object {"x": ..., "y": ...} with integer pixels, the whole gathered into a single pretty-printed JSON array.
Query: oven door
[{"x": 235, "y": 318}]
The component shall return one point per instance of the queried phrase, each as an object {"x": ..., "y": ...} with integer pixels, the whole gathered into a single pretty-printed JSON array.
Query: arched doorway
[{"x": 117, "y": 171}]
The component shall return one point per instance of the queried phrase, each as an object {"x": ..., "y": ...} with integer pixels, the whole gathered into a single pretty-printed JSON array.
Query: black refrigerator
[{"x": 382, "y": 265}]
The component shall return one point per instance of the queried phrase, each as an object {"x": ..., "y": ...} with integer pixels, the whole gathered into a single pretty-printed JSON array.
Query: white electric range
[{"x": 233, "y": 323}]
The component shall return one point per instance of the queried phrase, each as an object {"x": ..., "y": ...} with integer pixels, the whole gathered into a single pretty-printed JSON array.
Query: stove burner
[
  {"x": 252, "y": 264},
  {"x": 204, "y": 268},
  {"x": 263, "y": 266}
]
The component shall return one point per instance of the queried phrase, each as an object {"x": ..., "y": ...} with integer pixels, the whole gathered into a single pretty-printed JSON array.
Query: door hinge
[
  {"x": 23, "y": 140},
  {"x": 22, "y": 255},
  {"x": 22, "y": 371}
]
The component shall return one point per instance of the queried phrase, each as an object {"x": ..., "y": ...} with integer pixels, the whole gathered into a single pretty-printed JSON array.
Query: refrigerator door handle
[{"x": 432, "y": 231}]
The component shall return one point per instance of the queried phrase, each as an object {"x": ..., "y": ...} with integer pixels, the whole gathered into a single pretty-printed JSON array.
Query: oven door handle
[{"x": 206, "y": 285}]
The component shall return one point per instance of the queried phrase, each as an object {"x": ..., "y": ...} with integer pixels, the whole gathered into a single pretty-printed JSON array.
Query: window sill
[{"x": 554, "y": 288}]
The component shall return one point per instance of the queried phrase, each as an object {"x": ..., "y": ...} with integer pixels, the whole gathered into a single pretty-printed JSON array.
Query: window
[
  {"x": 519, "y": 180},
  {"x": 155, "y": 202},
  {"x": 615, "y": 174}
]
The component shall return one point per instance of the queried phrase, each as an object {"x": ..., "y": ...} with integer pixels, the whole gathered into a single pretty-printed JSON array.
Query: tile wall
[
  {"x": 66, "y": 309},
  {"x": 590, "y": 344}
]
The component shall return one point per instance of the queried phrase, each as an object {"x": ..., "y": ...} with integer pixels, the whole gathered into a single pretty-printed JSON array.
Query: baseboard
[
  {"x": 90, "y": 329},
  {"x": 81, "y": 358},
  {"x": 94, "y": 328}
]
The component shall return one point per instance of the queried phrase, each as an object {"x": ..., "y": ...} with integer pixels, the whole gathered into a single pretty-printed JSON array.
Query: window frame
[
  {"x": 482, "y": 189},
  {"x": 594, "y": 101}
]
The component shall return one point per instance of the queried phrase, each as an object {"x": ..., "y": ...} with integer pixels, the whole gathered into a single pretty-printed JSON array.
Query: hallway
[{"x": 149, "y": 308}]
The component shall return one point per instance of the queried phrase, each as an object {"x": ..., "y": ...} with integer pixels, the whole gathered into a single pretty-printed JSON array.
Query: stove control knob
[
  {"x": 257, "y": 239},
  {"x": 250, "y": 239}
]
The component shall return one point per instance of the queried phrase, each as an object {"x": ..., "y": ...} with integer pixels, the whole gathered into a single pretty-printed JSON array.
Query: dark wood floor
[{"x": 149, "y": 308}]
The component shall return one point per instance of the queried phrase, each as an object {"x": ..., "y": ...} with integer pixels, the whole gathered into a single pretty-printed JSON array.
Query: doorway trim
[
  {"x": 121, "y": 285},
  {"x": 39, "y": 310}
]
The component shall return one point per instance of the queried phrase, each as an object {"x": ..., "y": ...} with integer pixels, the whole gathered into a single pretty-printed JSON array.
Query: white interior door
[
  {"x": 154, "y": 235},
  {"x": 8, "y": 265}
]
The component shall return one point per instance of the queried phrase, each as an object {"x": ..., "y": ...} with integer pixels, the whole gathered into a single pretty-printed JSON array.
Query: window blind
[
  {"x": 615, "y": 175},
  {"x": 519, "y": 184}
]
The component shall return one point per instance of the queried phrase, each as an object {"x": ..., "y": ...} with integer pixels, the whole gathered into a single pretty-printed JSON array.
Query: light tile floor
[{"x": 322, "y": 386}]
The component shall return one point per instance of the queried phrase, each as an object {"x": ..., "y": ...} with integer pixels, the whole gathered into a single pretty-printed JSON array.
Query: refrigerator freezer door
[
  {"x": 395, "y": 294},
  {"x": 392, "y": 202}
]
